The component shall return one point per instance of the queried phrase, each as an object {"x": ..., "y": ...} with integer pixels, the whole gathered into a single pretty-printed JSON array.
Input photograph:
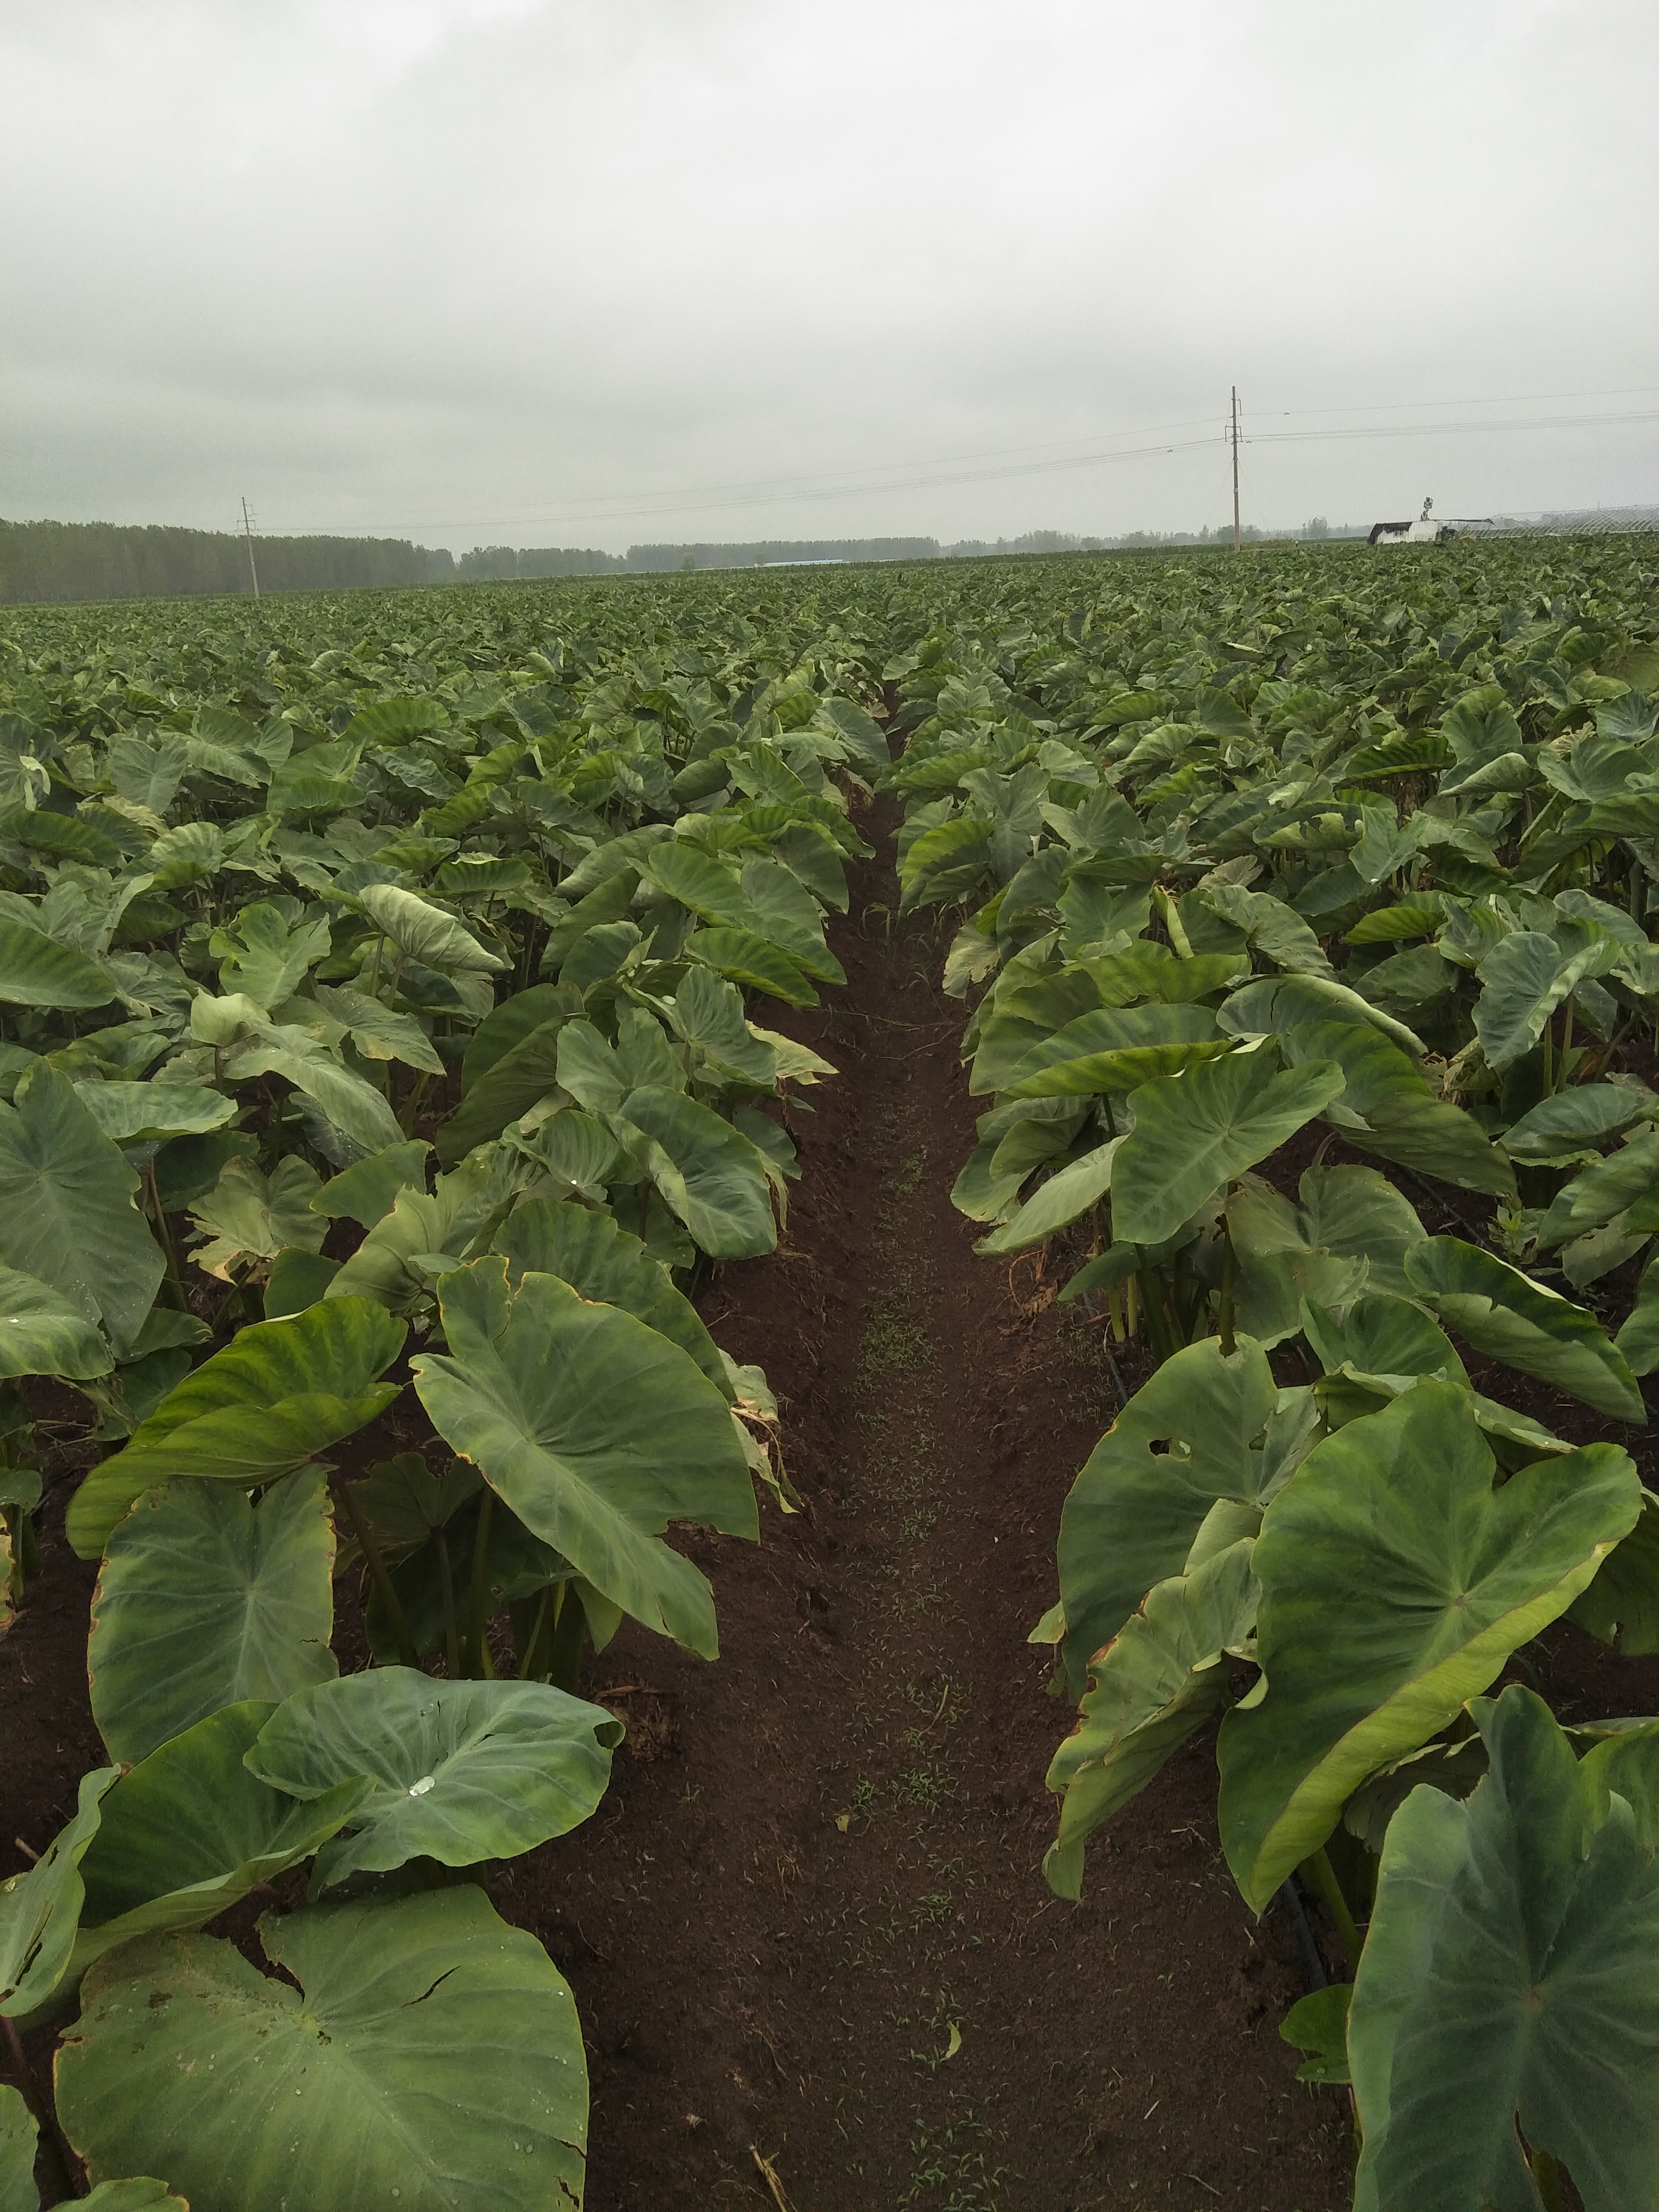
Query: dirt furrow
[{"x": 808, "y": 1932}]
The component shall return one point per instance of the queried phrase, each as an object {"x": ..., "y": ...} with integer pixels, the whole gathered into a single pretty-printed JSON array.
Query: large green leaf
[
  {"x": 509, "y": 1024},
  {"x": 598, "y": 1432},
  {"x": 1116, "y": 1049},
  {"x": 1621, "y": 1606},
  {"x": 1160, "y": 1678},
  {"x": 782, "y": 909},
  {"x": 1067, "y": 1194},
  {"x": 1280, "y": 1004},
  {"x": 750, "y": 960},
  {"x": 356, "y": 1108},
  {"x": 280, "y": 1393},
  {"x": 425, "y": 932},
  {"x": 1197, "y": 1131},
  {"x": 1523, "y": 979},
  {"x": 1396, "y": 1583},
  {"x": 1499, "y": 1310},
  {"x": 508, "y": 1087},
  {"x": 707, "y": 1012},
  {"x": 137, "y": 1113},
  {"x": 579, "y": 1156},
  {"x": 262, "y": 955},
  {"x": 1187, "y": 1440},
  {"x": 18, "y": 2136},
  {"x": 850, "y": 721},
  {"x": 1350, "y": 1231},
  {"x": 713, "y": 1176},
  {"x": 702, "y": 884},
  {"x": 367, "y": 1190},
  {"x": 1385, "y": 1106},
  {"x": 430, "y": 2059},
  {"x": 44, "y": 1333},
  {"x": 379, "y": 1031},
  {"x": 596, "y": 1256},
  {"x": 424, "y": 1235},
  {"x": 1509, "y": 1987},
  {"x": 205, "y": 1599},
  {"x": 192, "y": 1828},
  {"x": 1572, "y": 1120},
  {"x": 1594, "y": 1198},
  {"x": 250, "y": 1216},
  {"x": 66, "y": 1207},
  {"x": 457, "y": 1771},
  {"x": 35, "y": 970},
  {"x": 40, "y": 1908},
  {"x": 1150, "y": 971}
]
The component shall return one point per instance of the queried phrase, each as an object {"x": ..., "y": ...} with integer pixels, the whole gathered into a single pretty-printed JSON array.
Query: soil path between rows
[{"x": 808, "y": 1925}]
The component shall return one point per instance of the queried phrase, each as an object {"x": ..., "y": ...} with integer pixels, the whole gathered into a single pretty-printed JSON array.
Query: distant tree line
[
  {"x": 122, "y": 560},
  {"x": 502, "y": 563}
]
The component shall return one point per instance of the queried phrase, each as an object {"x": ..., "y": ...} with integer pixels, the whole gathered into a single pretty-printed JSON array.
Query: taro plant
[
  {"x": 280, "y": 919},
  {"x": 1230, "y": 863}
]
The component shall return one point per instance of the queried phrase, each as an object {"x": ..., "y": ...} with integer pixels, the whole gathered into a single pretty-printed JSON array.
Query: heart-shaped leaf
[
  {"x": 280, "y": 1393},
  {"x": 1509, "y": 1986},
  {"x": 1185, "y": 1441},
  {"x": 1499, "y": 1310},
  {"x": 598, "y": 1432},
  {"x": 457, "y": 1772},
  {"x": 425, "y": 932},
  {"x": 591, "y": 1252},
  {"x": 430, "y": 2059},
  {"x": 35, "y": 970},
  {"x": 191, "y": 1829},
  {"x": 1067, "y": 1194},
  {"x": 1162, "y": 1676},
  {"x": 713, "y": 1176},
  {"x": 66, "y": 1207},
  {"x": 1197, "y": 1131},
  {"x": 1390, "y": 1548},
  {"x": 1116, "y": 1049},
  {"x": 44, "y": 1333},
  {"x": 137, "y": 1113},
  {"x": 204, "y": 1600}
]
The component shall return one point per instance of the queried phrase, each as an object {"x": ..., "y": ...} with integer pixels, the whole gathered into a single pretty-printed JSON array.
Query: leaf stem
[
  {"x": 174, "y": 1279},
  {"x": 569, "y": 1634},
  {"x": 478, "y": 1597},
  {"x": 1319, "y": 1875},
  {"x": 1229, "y": 1278},
  {"x": 452, "y": 1627},
  {"x": 538, "y": 1631},
  {"x": 378, "y": 1575}
]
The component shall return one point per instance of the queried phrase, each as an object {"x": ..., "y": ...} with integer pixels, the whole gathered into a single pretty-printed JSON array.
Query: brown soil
[
  {"x": 816, "y": 1963},
  {"x": 819, "y": 1860}
]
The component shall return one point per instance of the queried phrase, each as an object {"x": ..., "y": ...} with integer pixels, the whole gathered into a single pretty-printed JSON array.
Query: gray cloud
[{"x": 544, "y": 271}]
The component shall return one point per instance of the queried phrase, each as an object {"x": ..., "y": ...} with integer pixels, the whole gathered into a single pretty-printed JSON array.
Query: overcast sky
[{"x": 592, "y": 272}]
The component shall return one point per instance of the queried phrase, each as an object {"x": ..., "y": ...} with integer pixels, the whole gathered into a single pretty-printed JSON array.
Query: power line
[
  {"x": 1434, "y": 429},
  {"x": 641, "y": 506}
]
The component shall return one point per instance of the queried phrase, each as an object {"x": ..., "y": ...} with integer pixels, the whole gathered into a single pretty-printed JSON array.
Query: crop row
[
  {"x": 1257, "y": 866},
  {"x": 378, "y": 984},
  {"x": 376, "y": 1016}
]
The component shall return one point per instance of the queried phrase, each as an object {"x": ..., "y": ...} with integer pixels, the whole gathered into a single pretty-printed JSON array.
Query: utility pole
[
  {"x": 253, "y": 566},
  {"x": 1232, "y": 440}
]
